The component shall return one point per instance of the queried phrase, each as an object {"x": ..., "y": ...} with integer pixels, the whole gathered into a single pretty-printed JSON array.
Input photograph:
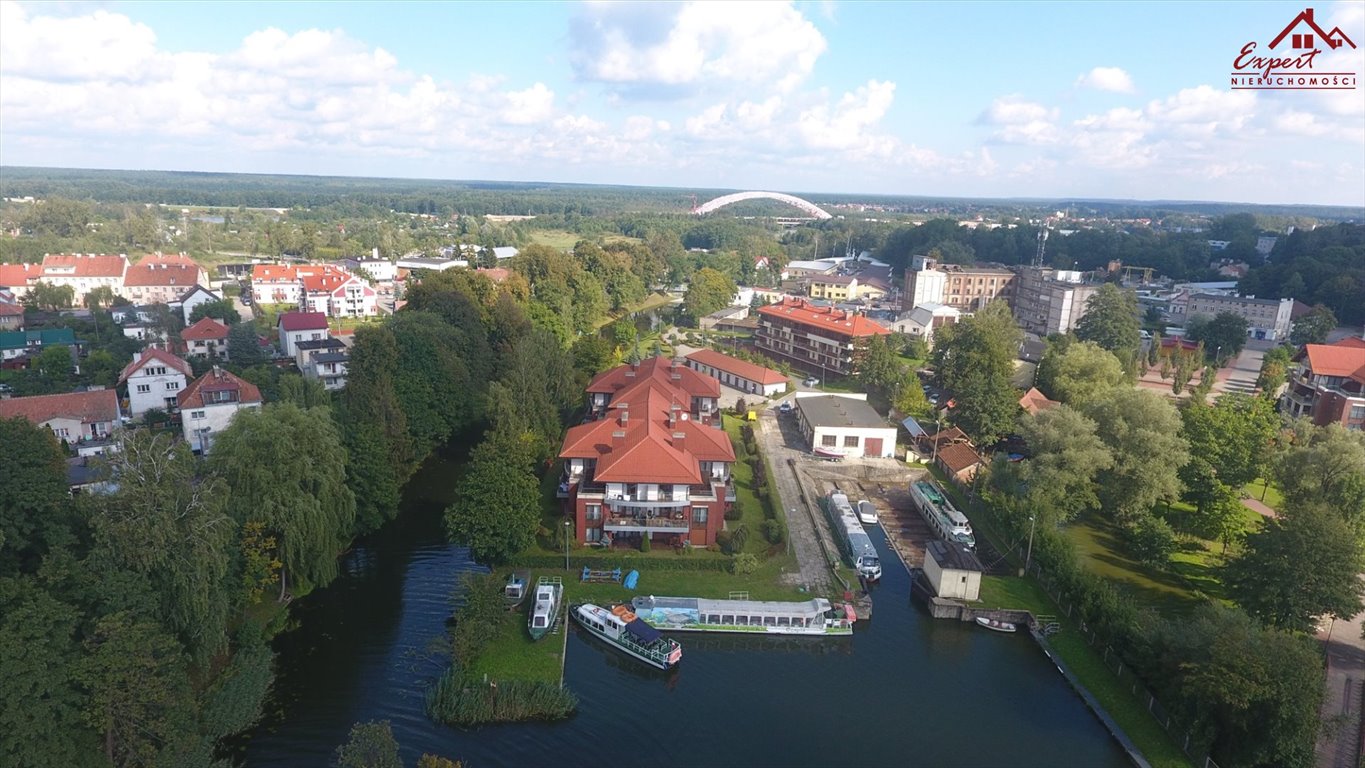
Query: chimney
[
  {"x": 618, "y": 437},
  {"x": 680, "y": 440},
  {"x": 625, "y": 417}
]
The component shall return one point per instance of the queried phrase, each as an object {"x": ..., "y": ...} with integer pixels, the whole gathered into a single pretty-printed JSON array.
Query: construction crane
[{"x": 1042, "y": 245}]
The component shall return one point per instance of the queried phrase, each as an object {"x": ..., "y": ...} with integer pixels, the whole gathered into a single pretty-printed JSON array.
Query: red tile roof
[
  {"x": 273, "y": 273},
  {"x": 18, "y": 275},
  {"x": 324, "y": 283},
  {"x": 1350, "y": 342},
  {"x": 7, "y": 308},
  {"x": 661, "y": 369},
  {"x": 150, "y": 354},
  {"x": 957, "y": 457},
  {"x": 89, "y": 407},
  {"x": 496, "y": 274},
  {"x": 827, "y": 319},
  {"x": 303, "y": 321},
  {"x": 1334, "y": 360},
  {"x": 158, "y": 269},
  {"x": 1034, "y": 401},
  {"x": 217, "y": 380},
  {"x": 646, "y": 447},
  {"x": 204, "y": 329},
  {"x": 84, "y": 265},
  {"x": 741, "y": 368}
]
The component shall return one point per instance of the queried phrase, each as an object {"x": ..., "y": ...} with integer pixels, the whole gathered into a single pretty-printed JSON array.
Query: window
[
  {"x": 196, "y": 414},
  {"x": 60, "y": 432},
  {"x": 593, "y": 512},
  {"x": 829, "y": 441},
  {"x": 172, "y": 386},
  {"x": 699, "y": 514},
  {"x": 850, "y": 441},
  {"x": 593, "y": 534},
  {"x": 1358, "y": 412},
  {"x": 144, "y": 388}
]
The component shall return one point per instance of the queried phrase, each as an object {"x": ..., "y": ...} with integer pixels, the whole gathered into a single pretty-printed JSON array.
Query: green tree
[
  {"x": 303, "y": 392},
  {"x": 1300, "y": 565},
  {"x": 498, "y": 508},
  {"x": 1142, "y": 431},
  {"x": 708, "y": 290},
  {"x": 244, "y": 347},
  {"x": 974, "y": 362},
  {"x": 911, "y": 401},
  {"x": 1223, "y": 336},
  {"x": 54, "y": 362},
  {"x": 1252, "y": 695},
  {"x": 59, "y": 217},
  {"x": 592, "y": 354},
  {"x": 1065, "y": 458},
  {"x": 35, "y": 513},
  {"x": 1274, "y": 372},
  {"x": 1234, "y": 437},
  {"x": 222, "y": 310},
  {"x": 169, "y": 528},
  {"x": 370, "y": 745},
  {"x": 1327, "y": 466},
  {"x": 1111, "y": 321},
  {"x": 41, "y": 721},
  {"x": 1313, "y": 327},
  {"x": 880, "y": 368},
  {"x": 1081, "y": 372},
  {"x": 287, "y": 469},
  {"x": 139, "y": 690}
]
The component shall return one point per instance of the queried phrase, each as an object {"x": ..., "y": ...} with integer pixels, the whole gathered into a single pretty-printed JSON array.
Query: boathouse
[{"x": 953, "y": 570}]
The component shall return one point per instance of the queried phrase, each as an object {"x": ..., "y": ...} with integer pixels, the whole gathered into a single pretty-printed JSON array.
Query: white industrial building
[
  {"x": 844, "y": 425},
  {"x": 953, "y": 571}
]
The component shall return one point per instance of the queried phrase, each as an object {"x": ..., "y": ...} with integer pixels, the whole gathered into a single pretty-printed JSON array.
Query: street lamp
[
  {"x": 568, "y": 528},
  {"x": 1028, "y": 558}
]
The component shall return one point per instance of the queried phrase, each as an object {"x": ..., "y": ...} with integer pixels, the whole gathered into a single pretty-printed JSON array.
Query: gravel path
[{"x": 773, "y": 432}]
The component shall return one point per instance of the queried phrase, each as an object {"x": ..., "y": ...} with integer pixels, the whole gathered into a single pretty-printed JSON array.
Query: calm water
[{"x": 904, "y": 690}]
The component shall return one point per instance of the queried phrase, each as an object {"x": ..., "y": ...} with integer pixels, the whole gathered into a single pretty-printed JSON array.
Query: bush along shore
[{"x": 467, "y": 694}]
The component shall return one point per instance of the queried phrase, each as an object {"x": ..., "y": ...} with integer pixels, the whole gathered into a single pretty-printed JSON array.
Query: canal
[{"x": 904, "y": 690}]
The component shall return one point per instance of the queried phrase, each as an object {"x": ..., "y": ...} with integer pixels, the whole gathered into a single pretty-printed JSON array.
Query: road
[
  {"x": 804, "y": 532},
  {"x": 1339, "y": 744}
]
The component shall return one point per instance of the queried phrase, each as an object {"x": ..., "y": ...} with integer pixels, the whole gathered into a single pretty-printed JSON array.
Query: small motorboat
[
  {"x": 828, "y": 454},
  {"x": 516, "y": 589},
  {"x": 545, "y": 610},
  {"x": 998, "y": 626},
  {"x": 867, "y": 512}
]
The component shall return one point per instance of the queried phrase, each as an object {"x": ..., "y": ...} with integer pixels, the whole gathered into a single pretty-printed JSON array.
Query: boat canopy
[{"x": 645, "y": 633}]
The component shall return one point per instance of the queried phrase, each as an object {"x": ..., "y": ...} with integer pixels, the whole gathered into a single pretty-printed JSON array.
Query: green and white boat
[
  {"x": 549, "y": 599},
  {"x": 816, "y": 617}
]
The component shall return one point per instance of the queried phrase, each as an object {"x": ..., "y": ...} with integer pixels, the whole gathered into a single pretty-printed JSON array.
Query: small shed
[{"x": 953, "y": 570}]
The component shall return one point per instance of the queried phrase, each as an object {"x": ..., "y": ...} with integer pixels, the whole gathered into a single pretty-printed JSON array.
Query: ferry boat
[
  {"x": 867, "y": 512},
  {"x": 739, "y": 614},
  {"x": 939, "y": 512},
  {"x": 853, "y": 540},
  {"x": 621, "y": 629},
  {"x": 545, "y": 609}
]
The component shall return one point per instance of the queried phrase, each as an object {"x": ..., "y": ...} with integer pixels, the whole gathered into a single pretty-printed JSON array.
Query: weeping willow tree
[{"x": 285, "y": 468}]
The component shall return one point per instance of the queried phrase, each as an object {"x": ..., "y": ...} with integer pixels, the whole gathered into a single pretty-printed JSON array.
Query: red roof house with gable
[
  {"x": 651, "y": 465},
  {"x": 74, "y": 416},
  {"x": 740, "y": 374},
  {"x": 300, "y": 326},
  {"x": 161, "y": 278},
  {"x": 20, "y": 277},
  {"x": 206, "y": 338},
  {"x": 1329, "y": 387},
  {"x": 208, "y": 404}
]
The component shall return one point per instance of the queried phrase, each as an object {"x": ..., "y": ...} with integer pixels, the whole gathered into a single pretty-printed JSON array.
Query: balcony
[{"x": 673, "y": 523}]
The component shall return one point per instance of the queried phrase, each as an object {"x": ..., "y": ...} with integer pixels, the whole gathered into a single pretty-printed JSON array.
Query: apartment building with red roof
[
  {"x": 1329, "y": 386},
  {"x": 208, "y": 404},
  {"x": 84, "y": 272},
  {"x": 206, "y": 338},
  {"x": 162, "y": 278},
  {"x": 18, "y": 278},
  {"x": 815, "y": 338},
  {"x": 294, "y": 327},
  {"x": 337, "y": 293},
  {"x": 654, "y": 461}
]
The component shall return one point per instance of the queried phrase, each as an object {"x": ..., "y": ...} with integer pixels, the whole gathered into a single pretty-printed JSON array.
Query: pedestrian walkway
[
  {"x": 801, "y": 528},
  {"x": 1260, "y": 508},
  {"x": 1339, "y": 744}
]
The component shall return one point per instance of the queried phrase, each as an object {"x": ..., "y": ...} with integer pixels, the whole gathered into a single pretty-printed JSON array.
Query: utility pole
[
  {"x": 1028, "y": 558},
  {"x": 568, "y": 528}
]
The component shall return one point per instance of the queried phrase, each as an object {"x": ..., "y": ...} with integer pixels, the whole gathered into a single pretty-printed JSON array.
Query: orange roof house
[
  {"x": 1033, "y": 402},
  {"x": 1329, "y": 388}
]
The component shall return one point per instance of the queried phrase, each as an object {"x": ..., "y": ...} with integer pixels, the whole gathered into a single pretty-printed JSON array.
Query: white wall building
[
  {"x": 193, "y": 298},
  {"x": 953, "y": 571},
  {"x": 154, "y": 379},
  {"x": 844, "y": 425},
  {"x": 924, "y": 319},
  {"x": 208, "y": 404},
  {"x": 300, "y": 326},
  {"x": 1267, "y": 319}
]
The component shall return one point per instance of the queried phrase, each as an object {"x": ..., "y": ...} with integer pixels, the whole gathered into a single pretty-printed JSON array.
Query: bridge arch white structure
[{"x": 791, "y": 200}]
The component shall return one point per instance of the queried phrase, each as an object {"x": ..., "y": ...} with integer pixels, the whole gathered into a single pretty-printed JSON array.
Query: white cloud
[
  {"x": 533, "y": 105},
  {"x": 1021, "y": 122},
  {"x": 1107, "y": 79},
  {"x": 643, "y": 46}
]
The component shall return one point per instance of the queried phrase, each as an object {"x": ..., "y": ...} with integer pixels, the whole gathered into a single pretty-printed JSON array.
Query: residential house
[
  {"x": 18, "y": 278},
  {"x": 85, "y": 272},
  {"x": 330, "y": 368},
  {"x": 11, "y": 312},
  {"x": 294, "y": 327},
  {"x": 17, "y": 344},
  {"x": 815, "y": 338},
  {"x": 1267, "y": 319},
  {"x": 844, "y": 425},
  {"x": 922, "y": 321},
  {"x": 740, "y": 374},
  {"x": 842, "y": 288},
  {"x": 275, "y": 284},
  {"x": 207, "y": 338},
  {"x": 1034, "y": 402},
  {"x": 154, "y": 379},
  {"x": 306, "y": 349},
  {"x": 1329, "y": 386},
  {"x": 85, "y": 420},
  {"x": 960, "y": 462},
  {"x": 653, "y": 464},
  {"x": 192, "y": 298},
  {"x": 338, "y": 294},
  {"x": 374, "y": 269},
  {"x": 208, "y": 404},
  {"x": 162, "y": 278}
]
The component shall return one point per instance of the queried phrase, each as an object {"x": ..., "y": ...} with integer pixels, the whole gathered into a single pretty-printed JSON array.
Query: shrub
[
  {"x": 740, "y": 408},
  {"x": 774, "y": 531},
  {"x": 644, "y": 544},
  {"x": 734, "y": 513},
  {"x": 723, "y": 540},
  {"x": 744, "y": 564},
  {"x": 1151, "y": 540},
  {"x": 738, "y": 538}
]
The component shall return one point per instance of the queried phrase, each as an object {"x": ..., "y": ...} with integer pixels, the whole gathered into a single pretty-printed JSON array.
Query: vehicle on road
[
  {"x": 811, "y": 382},
  {"x": 785, "y": 407}
]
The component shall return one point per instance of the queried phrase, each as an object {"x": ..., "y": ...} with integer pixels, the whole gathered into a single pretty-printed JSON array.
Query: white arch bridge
[{"x": 791, "y": 200}]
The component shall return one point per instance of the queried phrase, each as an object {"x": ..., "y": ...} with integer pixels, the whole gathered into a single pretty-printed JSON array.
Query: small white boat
[
  {"x": 998, "y": 626},
  {"x": 622, "y": 629},
  {"x": 545, "y": 610},
  {"x": 867, "y": 512}
]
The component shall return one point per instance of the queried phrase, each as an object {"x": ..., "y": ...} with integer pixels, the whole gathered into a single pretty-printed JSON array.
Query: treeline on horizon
[{"x": 483, "y": 197}]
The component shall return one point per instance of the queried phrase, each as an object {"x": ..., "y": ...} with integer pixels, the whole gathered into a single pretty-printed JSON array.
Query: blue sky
[{"x": 1114, "y": 100}]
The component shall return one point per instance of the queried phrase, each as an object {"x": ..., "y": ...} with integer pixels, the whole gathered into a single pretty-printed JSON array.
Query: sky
[{"x": 1057, "y": 100}]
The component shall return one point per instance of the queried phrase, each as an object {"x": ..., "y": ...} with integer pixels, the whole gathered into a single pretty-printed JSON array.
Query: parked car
[
  {"x": 811, "y": 382},
  {"x": 785, "y": 407}
]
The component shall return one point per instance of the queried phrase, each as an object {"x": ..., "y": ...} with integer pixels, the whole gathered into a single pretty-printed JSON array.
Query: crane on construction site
[{"x": 1042, "y": 244}]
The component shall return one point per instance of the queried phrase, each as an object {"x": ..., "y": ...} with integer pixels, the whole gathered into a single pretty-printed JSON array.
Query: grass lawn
[
  {"x": 1088, "y": 666},
  {"x": 749, "y": 503},
  {"x": 555, "y": 238},
  {"x": 1100, "y": 550},
  {"x": 1273, "y": 498}
]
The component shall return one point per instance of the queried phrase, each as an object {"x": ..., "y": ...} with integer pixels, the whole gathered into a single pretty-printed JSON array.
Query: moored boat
[
  {"x": 516, "y": 589},
  {"x": 545, "y": 610},
  {"x": 867, "y": 512},
  {"x": 623, "y": 630},
  {"x": 998, "y": 626},
  {"x": 739, "y": 614}
]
